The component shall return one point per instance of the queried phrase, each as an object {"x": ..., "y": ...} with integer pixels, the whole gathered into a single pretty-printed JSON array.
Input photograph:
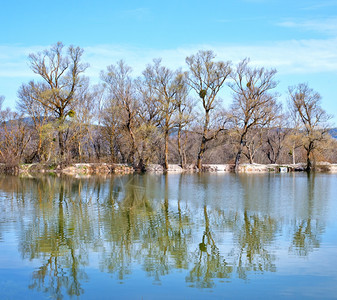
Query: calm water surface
[{"x": 189, "y": 236}]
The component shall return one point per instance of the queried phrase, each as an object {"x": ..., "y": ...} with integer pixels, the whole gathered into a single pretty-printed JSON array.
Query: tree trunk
[
  {"x": 133, "y": 145},
  {"x": 166, "y": 150},
  {"x": 39, "y": 147},
  {"x": 251, "y": 155},
  {"x": 61, "y": 143},
  {"x": 143, "y": 159},
  {"x": 203, "y": 141},
  {"x": 238, "y": 155},
  {"x": 180, "y": 150},
  {"x": 201, "y": 152},
  {"x": 79, "y": 149},
  {"x": 237, "y": 159},
  {"x": 309, "y": 165},
  {"x": 37, "y": 153},
  {"x": 270, "y": 152},
  {"x": 184, "y": 150},
  {"x": 97, "y": 149},
  {"x": 309, "y": 151},
  {"x": 111, "y": 147}
]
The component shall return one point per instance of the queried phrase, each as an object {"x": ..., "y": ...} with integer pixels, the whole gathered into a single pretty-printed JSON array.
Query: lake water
[{"x": 176, "y": 236}]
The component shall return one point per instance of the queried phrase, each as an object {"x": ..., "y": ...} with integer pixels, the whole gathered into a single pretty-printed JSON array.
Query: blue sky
[{"x": 298, "y": 38}]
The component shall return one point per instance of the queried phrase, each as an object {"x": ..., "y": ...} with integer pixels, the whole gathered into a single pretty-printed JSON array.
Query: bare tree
[
  {"x": 14, "y": 138},
  {"x": 121, "y": 90},
  {"x": 207, "y": 77},
  {"x": 109, "y": 119},
  {"x": 150, "y": 119},
  {"x": 274, "y": 138},
  {"x": 184, "y": 117},
  {"x": 253, "y": 144},
  {"x": 305, "y": 107},
  {"x": 294, "y": 142},
  {"x": 61, "y": 78},
  {"x": 254, "y": 106},
  {"x": 166, "y": 85},
  {"x": 82, "y": 123},
  {"x": 39, "y": 115}
]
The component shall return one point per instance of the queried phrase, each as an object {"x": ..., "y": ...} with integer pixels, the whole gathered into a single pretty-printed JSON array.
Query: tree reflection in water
[
  {"x": 55, "y": 234},
  {"x": 307, "y": 231},
  {"x": 139, "y": 220},
  {"x": 208, "y": 262}
]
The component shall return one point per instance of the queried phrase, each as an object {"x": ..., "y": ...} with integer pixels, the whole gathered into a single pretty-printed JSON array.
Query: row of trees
[{"x": 162, "y": 116}]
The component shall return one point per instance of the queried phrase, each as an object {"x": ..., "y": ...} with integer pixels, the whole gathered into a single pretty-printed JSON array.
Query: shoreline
[{"x": 108, "y": 168}]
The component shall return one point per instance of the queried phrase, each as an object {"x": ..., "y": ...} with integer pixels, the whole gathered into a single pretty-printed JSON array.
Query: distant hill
[
  {"x": 27, "y": 120},
  {"x": 333, "y": 132},
  {"x": 174, "y": 132}
]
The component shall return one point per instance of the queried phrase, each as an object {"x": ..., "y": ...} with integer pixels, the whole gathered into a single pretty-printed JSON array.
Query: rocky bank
[{"x": 105, "y": 168}]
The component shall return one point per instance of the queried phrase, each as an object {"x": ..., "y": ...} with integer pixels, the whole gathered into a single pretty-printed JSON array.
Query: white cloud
[
  {"x": 326, "y": 26},
  {"x": 321, "y": 5},
  {"x": 14, "y": 60},
  {"x": 288, "y": 57}
]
